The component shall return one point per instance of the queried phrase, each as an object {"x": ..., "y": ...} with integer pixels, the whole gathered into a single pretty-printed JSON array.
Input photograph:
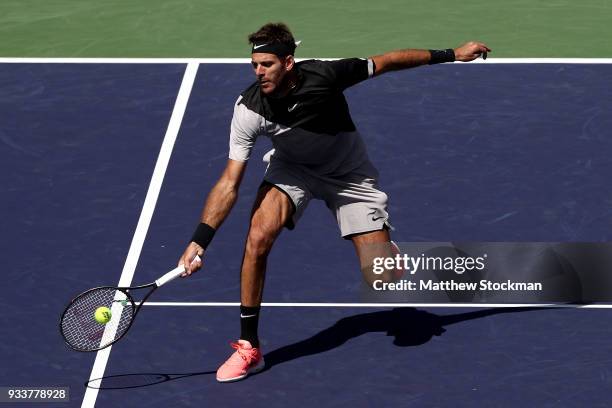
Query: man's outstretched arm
[
  {"x": 409, "y": 58},
  {"x": 218, "y": 205}
]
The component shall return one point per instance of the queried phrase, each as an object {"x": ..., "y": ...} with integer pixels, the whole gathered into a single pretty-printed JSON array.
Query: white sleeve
[{"x": 246, "y": 126}]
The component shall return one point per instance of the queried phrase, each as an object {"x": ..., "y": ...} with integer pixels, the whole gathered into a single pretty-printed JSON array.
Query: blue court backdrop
[{"x": 466, "y": 152}]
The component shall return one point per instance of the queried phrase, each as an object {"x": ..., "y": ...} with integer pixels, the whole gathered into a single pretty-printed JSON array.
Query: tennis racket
[{"x": 83, "y": 333}]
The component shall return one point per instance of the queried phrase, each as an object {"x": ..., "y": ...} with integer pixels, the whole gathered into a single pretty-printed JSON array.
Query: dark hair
[{"x": 273, "y": 33}]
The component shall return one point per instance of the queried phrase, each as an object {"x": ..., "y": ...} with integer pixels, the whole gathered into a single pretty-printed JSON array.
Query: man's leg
[
  {"x": 271, "y": 211},
  {"x": 375, "y": 244}
]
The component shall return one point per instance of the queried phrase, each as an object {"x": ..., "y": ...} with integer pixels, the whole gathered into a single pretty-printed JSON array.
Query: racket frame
[{"x": 167, "y": 277}]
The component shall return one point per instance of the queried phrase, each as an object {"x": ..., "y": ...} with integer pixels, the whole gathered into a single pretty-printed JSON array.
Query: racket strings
[{"x": 83, "y": 332}]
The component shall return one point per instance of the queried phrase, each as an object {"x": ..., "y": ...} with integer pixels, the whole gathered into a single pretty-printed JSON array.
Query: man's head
[{"x": 272, "y": 57}]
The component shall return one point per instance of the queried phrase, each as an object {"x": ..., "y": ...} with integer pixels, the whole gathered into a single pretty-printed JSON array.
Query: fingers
[
  {"x": 191, "y": 259},
  {"x": 194, "y": 266},
  {"x": 481, "y": 49},
  {"x": 484, "y": 51},
  {"x": 472, "y": 50},
  {"x": 478, "y": 47}
]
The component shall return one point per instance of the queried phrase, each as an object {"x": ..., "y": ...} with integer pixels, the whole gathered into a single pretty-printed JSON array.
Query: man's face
[{"x": 271, "y": 71}]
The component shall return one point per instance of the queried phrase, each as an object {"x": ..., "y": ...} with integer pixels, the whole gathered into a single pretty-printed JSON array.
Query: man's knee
[
  {"x": 260, "y": 241},
  {"x": 372, "y": 274},
  {"x": 374, "y": 259}
]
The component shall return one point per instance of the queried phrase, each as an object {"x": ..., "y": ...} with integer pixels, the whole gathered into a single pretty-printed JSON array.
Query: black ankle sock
[{"x": 249, "y": 320}]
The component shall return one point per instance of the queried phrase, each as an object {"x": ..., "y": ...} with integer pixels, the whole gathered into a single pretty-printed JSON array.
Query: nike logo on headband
[{"x": 259, "y": 46}]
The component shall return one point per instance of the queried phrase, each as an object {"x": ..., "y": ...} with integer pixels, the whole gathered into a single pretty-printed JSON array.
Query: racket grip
[{"x": 173, "y": 274}]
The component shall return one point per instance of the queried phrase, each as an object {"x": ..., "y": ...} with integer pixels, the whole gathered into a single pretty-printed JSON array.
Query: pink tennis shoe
[{"x": 246, "y": 360}]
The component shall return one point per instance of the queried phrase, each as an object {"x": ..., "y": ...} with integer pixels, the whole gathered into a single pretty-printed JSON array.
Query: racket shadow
[
  {"x": 408, "y": 326},
  {"x": 138, "y": 380}
]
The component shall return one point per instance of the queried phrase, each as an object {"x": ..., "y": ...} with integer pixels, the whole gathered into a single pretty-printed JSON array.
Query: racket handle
[{"x": 173, "y": 274}]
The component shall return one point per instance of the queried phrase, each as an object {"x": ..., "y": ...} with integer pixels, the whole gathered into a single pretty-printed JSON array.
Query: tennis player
[{"x": 318, "y": 154}]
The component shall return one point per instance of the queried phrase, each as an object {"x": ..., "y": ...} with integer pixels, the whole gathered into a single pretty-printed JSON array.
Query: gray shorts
[{"x": 354, "y": 199}]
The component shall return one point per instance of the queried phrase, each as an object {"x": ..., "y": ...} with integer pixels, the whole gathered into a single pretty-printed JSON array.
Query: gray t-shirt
[{"x": 311, "y": 126}]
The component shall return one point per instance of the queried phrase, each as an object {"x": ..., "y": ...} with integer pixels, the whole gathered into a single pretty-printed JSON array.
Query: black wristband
[
  {"x": 203, "y": 235},
  {"x": 440, "y": 56}
]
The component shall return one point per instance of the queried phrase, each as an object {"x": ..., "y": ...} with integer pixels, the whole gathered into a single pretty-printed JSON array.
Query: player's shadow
[{"x": 408, "y": 327}]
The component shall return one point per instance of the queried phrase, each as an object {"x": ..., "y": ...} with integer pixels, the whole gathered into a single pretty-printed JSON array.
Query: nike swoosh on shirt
[{"x": 290, "y": 109}]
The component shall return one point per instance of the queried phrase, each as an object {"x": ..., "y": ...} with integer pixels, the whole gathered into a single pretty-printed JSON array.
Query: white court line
[
  {"x": 383, "y": 305},
  {"x": 18, "y": 60},
  {"x": 89, "y": 400}
]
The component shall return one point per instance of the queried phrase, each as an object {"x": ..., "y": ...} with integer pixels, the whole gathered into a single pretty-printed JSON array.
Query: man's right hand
[{"x": 189, "y": 258}]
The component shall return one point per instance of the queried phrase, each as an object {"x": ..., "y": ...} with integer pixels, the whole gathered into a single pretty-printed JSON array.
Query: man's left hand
[{"x": 470, "y": 51}]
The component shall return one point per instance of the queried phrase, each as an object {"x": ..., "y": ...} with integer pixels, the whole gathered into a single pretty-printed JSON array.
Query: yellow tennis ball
[{"x": 103, "y": 315}]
